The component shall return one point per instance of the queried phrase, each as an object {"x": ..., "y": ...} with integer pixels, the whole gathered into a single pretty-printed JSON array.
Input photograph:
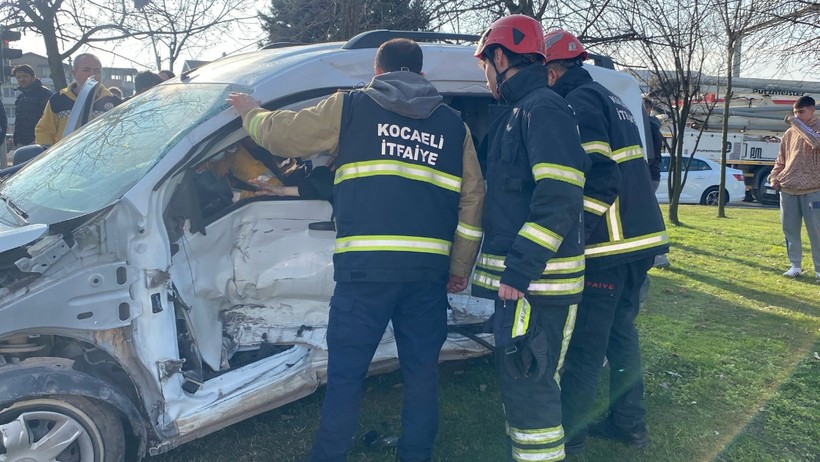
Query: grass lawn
[{"x": 730, "y": 351}]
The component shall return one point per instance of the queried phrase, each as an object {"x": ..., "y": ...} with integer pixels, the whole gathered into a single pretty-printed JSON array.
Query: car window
[
  {"x": 96, "y": 165},
  {"x": 698, "y": 165}
]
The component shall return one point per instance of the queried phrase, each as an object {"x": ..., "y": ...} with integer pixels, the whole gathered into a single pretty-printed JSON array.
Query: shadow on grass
[
  {"x": 748, "y": 263},
  {"x": 709, "y": 366},
  {"x": 788, "y": 424},
  {"x": 806, "y": 306}
]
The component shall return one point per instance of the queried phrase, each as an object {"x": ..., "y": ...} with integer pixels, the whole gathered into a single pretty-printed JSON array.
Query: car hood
[{"x": 11, "y": 238}]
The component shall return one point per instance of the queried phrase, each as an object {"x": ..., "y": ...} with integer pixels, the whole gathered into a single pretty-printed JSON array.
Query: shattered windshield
[{"x": 97, "y": 165}]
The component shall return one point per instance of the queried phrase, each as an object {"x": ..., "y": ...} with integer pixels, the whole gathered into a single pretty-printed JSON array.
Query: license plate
[{"x": 771, "y": 192}]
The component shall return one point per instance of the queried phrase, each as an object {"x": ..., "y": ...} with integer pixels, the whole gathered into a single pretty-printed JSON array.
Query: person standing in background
[
  {"x": 796, "y": 174},
  {"x": 29, "y": 105},
  {"x": 52, "y": 124},
  {"x": 654, "y": 148}
]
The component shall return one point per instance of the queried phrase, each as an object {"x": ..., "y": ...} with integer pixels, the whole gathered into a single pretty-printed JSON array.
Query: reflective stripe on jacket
[
  {"x": 533, "y": 211},
  {"x": 623, "y": 222},
  {"x": 396, "y": 192},
  {"x": 394, "y": 202}
]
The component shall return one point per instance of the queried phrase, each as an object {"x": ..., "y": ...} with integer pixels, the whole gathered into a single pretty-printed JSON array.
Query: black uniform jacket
[
  {"x": 533, "y": 213},
  {"x": 623, "y": 220}
]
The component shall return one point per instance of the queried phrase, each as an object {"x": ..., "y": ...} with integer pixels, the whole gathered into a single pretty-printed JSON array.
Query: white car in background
[{"x": 702, "y": 183}]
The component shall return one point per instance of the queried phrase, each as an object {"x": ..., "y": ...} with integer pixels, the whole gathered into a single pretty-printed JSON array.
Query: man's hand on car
[{"x": 243, "y": 102}]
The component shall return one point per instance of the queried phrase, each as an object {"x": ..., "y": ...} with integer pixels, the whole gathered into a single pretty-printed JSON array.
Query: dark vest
[{"x": 396, "y": 193}]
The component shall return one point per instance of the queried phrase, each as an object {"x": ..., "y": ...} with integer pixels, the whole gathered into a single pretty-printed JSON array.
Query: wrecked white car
[{"x": 140, "y": 308}]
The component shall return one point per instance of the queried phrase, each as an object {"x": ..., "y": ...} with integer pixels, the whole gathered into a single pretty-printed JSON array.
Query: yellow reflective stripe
[
  {"x": 522, "y": 317},
  {"x": 541, "y": 236},
  {"x": 538, "y": 455},
  {"x": 595, "y": 206},
  {"x": 554, "y": 265},
  {"x": 598, "y": 147},
  {"x": 253, "y": 125},
  {"x": 569, "y": 326},
  {"x": 493, "y": 262},
  {"x": 627, "y": 153},
  {"x": 565, "y": 265},
  {"x": 613, "y": 221},
  {"x": 558, "y": 172},
  {"x": 472, "y": 233},
  {"x": 541, "y": 287},
  {"x": 556, "y": 286},
  {"x": 486, "y": 280},
  {"x": 392, "y": 244},
  {"x": 397, "y": 168},
  {"x": 627, "y": 245},
  {"x": 536, "y": 436}
]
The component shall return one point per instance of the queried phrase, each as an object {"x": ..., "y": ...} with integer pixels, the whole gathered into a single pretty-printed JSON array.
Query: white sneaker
[{"x": 793, "y": 272}]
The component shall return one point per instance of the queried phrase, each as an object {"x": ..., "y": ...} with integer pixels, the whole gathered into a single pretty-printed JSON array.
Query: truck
[
  {"x": 754, "y": 155},
  {"x": 756, "y": 126}
]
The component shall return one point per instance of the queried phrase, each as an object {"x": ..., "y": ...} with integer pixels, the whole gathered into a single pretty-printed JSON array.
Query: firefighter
[
  {"x": 407, "y": 199},
  {"x": 624, "y": 230},
  {"x": 531, "y": 261}
]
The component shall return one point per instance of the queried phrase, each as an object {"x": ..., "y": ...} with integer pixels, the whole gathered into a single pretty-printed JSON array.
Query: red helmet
[
  {"x": 563, "y": 45},
  {"x": 517, "y": 33}
]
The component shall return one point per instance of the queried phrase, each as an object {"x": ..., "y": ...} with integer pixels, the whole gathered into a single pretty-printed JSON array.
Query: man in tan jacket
[
  {"x": 407, "y": 197},
  {"x": 796, "y": 174}
]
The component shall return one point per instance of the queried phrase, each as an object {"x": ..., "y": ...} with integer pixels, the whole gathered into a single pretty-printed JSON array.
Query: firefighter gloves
[{"x": 521, "y": 346}]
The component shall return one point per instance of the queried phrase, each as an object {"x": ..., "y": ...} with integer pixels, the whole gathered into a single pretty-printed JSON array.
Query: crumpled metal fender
[{"x": 51, "y": 376}]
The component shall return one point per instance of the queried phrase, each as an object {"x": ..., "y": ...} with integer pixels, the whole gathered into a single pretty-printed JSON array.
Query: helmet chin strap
[{"x": 499, "y": 76}]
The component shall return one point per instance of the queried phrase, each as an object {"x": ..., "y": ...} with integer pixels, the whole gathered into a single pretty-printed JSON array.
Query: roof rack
[
  {"x": 602, "y": 61},
  {"x": 274, "y": 45},
  {"x": 374, "y": 38}
]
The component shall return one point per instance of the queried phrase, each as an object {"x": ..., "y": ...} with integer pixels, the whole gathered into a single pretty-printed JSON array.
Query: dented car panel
[{"x": 198, "y": 313}]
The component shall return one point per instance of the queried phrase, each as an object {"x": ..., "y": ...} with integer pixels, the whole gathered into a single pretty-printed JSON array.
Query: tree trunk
[
  {"x": 349, "y": 21},
  {"x": 55, "y": 60},
  {"x": 730, "y": 51}
]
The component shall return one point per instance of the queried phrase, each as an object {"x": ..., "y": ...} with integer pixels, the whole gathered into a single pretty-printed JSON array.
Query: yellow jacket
[{"x": 51, "y": 126}]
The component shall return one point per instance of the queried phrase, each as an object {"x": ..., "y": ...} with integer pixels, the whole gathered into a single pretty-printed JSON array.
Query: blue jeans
[{"x": 359, "y": 314}]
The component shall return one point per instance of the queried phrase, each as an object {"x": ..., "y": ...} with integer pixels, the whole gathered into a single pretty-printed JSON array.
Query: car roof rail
[
  {"x": 602, "y": 61},
  {"x": 374, "y": 38},
  {"x": 275, "y": 45}
]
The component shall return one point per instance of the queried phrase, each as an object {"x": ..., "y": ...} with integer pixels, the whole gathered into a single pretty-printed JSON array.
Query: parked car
[
  {"x": 142, "y": 307},
  {"x": 702, "y": 183}
]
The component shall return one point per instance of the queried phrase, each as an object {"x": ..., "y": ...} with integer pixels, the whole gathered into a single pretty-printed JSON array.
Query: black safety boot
[{"x": 637, "y": 437}]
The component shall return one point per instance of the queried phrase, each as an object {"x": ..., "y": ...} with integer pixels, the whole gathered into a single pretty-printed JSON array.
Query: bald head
[{"x": 85, "y": 66}]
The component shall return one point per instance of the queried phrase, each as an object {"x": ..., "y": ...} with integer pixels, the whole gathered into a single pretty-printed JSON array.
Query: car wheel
[
  {"x": 61, "y": 428},
  {"x": 711, "y": 196}
]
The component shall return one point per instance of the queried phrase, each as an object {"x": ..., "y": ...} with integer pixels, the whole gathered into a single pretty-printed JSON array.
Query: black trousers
[
  {"x": 605, "y": 327},
  {"x": 533, "y": 407}
]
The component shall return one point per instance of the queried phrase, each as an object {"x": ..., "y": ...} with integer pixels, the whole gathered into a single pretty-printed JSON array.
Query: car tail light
[{"x": 738, "y": 176}]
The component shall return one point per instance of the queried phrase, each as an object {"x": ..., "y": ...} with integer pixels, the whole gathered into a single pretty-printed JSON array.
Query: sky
[{"x": 137, "y": 54}]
